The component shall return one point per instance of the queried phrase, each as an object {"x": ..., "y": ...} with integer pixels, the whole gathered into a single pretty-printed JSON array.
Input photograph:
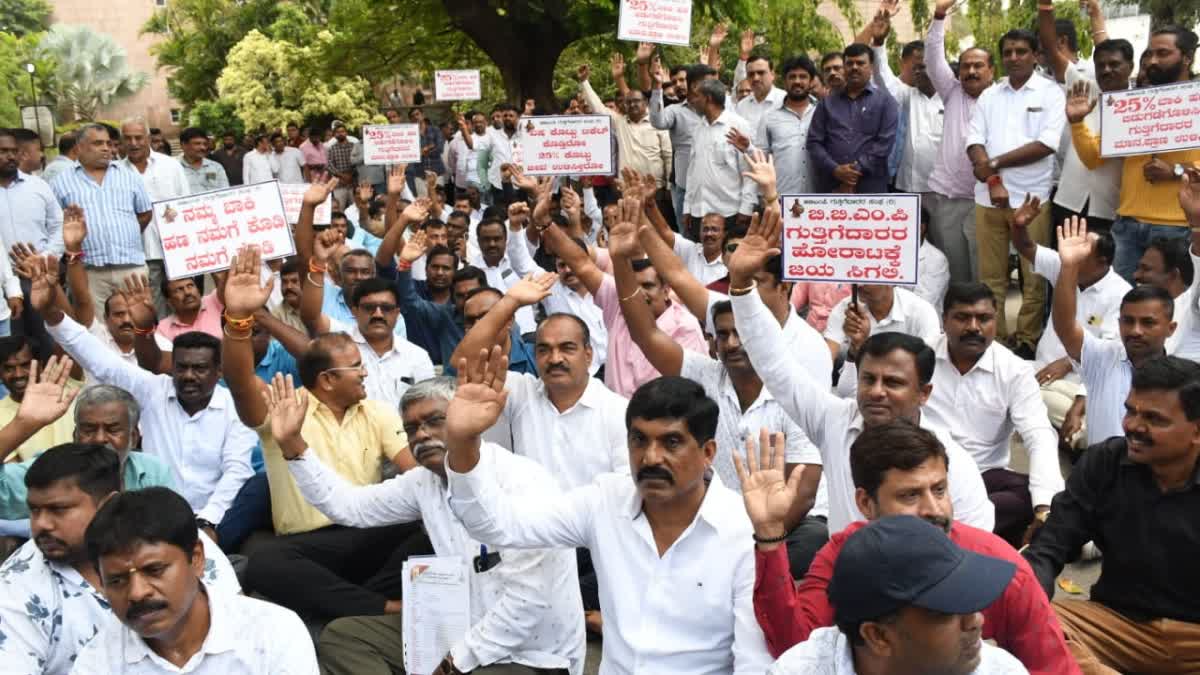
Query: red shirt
[{"x": 1020, "y": 621}]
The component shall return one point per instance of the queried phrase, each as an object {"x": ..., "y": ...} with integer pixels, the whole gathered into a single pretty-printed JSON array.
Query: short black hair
[
  {"x": 698, "y": 73},
  {"x": 96, "y": 469},
  {"x": 678, "y": 67},
  {"x": 829, "y": 56},
  {"x": 1147, "y": 293},
  {"x": 1105, "y": 247},
  {"x": 440, "y": 250},
  {"x": 759, "y": 56},
  {"x": 721, "y": 307},
  {"x": 505, "y": 106},
  {"x": 1172, "y": 373},
  {"x": 1019, "y": 35},
  {"x": 277, "y": 134},
  {"x": 290, "y": 265},
  {"x": 149, "y": 516},
  {"x": 192, "y": 132},
  {"x": 319, "y": 356},
  {"x": 114, "y": 134},
  {"x": 470, "y": 272},
  {"x": 1185, "y": 40},
  {"x": 1175, "y": 256},
  {"x": 66, "y": 143},
  {"x": 583, "y": 327},
  {"x": 799, "y": 62},
  {"x": 882, "y": 344},
  {"x": 899, "y": 444},
  {"x": 1065, "y": 28},
  {"x": 371, "y": 286},
  {"x": 1115, "y": 46},
  {"x": 858, "y": 49},
  {"x": 671, "y": 397},
  {"x": 911, "y": 48},
  {"x": 195, "y": 339},
  {"x": 966, "y": 293},
  {"x": 11, "y": 345},
  {"x": 485, "y": 221},
  {"x": 480, "y": 291}
]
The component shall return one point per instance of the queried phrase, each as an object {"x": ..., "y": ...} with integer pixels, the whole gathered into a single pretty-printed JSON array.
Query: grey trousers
[{"x": 952, "y": 229}]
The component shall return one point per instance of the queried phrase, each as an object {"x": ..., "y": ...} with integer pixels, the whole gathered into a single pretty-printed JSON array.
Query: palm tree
[{"x": 90, "y": 70}]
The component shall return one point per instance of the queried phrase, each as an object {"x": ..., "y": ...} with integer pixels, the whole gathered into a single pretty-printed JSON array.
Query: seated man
[
  {"x": 191, "y": 310},
  {"x": 1137, "y": 497},
  {"x": 50, "y": 605},
  {"x": 524, "y": 611},
  {"x": 171, "y": 619},
  {"x": 695, "y": 618},
  {"x": 898, "y": 469},
  {"x": 16, "y": 371},
  {"x": 906, "y": 599},
  {"x": 290, "y": 285}
]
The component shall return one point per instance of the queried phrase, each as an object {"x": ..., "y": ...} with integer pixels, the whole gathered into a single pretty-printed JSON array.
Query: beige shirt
[{"x": 642, "y": 147}]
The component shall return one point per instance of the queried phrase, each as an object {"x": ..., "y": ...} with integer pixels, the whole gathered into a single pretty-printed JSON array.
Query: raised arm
[
  {"x": 660, "y": 349},
  {"x": 618, "y": 74},
  {"x": 140, "y": 303},
  {"x": 574, "y": 257},
  {"x": 304, "y": 234},
  {"x": 488, "y": 330},
  {"x": 590, "y": 96},
  {"x": 645, "y": 54},
  {"x": 292, "y": 340},
  {"x": 312, "y": 294},
  {"x": 944, "y": 79},
  {"x": 1059, "y": 59},
  {"x": 244, "y": 296},
  {"x": 74, "y": 233},
  {"x": 46, "y": 399},
  {"x": 1080, "y": 104},
  {"x": 1019, "y": 224},
  {"x": 395, "y": 220},
  {"x": 1074, "y": 246}
]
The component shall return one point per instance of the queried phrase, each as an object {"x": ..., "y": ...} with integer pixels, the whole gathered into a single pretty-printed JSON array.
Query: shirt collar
[
  {"x": 986, "y": 362},
  {"x": 1034, "y": 83},
  {"x": 221, "y": 635},
  {"x": 869, "y": 89},
  {"x": 215, "y": 402},
  {"x": 1125, "y": 461},
  {"x": 716, "y": 514}
]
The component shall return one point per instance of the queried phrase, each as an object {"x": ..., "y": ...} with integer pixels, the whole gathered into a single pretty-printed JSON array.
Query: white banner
[
  {"x": 456, "y": 85},
  {"x": 391, "y": 144},
  {"x": 661, "y": 21},
  {"x": 1151, "y": 120},
  {"x": 293, "y": 199},
  {"x": 860, "y": 239},
  {"x": 201, "y": 233},
  {"x": 567, "y": 145}
]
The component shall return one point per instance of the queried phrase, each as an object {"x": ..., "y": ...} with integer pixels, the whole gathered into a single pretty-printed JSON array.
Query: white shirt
[
  {"x": 164, "y": 179},
  {"x": 1097, "y": 308},
  {"x": 752, "y": 110},
  {"x": 828, "y": 652},
  {"x": 516, "y": 264},
  {"x": 245, "y": 635},
  {"x": 1007, "y": 118},
  {"x": 504, "y": 149},
  {"x": 1100, "y": 188},
  {"x": 934, "y": 278},
  {"x": 926, "y": 115},
  {"x": 100, "y": 330},
  {"x": 288, "y": 166},
  {"x": 390, "y": 374},
  {"x": 909, "y": 314},
  {"x": 256, "y": 167},
  {"x": 527, "y": 610},
  {"x": 981, "y": 409},
  {"x": 1185, "y": 341},
  {"x": 832, "y": 423},
  {"x": 566, "y": 301},
  {"x": 692, "y": 255},
  {"x": 1108, "y": 375},
  {"x": 690, "y": 610},
  {"x": 208, "y": 453},
  {"x": 48, "y": 611},
  {"x": 11, "y": 285},
  {"x": 463, "y": 161},
  {"x": 714, "y": 179},
  {"x": 576, "y": 445}
]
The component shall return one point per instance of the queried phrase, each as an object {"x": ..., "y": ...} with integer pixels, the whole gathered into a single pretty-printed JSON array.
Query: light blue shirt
[
  {"x": 334, "y": 306},
  {"x": 30, "y": 213},
  {"x": 140, "y": 471},
  {"x": 209, "y": 176},
  {"x": 111, "y": 208}
]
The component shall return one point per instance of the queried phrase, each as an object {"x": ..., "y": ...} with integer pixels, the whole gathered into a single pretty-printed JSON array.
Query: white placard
[
  {"x": 201, "y": 233},
  {"x": 666, "y": 22},
  {"x": 456, "y": 85},
  {"x": 1151, "y": 120},
  {"x": 293, "y": 199},
  {"x": 437, "y": 609},
  {"x": 567, "y": 145},
  {"x": 391, "y": 143},
  {"x": 859, "y": 239}
]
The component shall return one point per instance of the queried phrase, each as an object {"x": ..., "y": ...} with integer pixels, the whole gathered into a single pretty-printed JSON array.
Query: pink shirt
[
  {"x": 207, "y": 321},
  {"x": 953, "y": 175},
  {"x": 627, "y": 368},
  {"x": 820, "y": 299},
  {"x": 314, "y": 154}
]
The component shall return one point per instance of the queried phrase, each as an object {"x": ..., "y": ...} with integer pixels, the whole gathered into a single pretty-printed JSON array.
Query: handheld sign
[
  {"x": 1151, "y": 120},
  {"x": 391, "y": 143},
  {"x": 857, "y": 239},
  {"x": 456, "y": 85},
  {"x": 661, "y": 21},
  {"x": 201, "y": 233},
  {"x": 567, "y": 145},
  {"x": 293, "y": 199}
]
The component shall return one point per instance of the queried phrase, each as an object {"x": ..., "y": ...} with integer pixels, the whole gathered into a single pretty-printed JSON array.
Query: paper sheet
[{"x": 437, "y": 610}]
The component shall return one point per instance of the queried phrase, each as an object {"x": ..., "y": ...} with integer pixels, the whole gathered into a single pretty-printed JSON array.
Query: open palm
[
  {"x": 767, "y": 494},
  {"x": 245, "y": 293},
  {"x": 479, "y": 399},
  {"x": 1074, "y": 244},
  {"x": 46, "y": 398},
  {"x": 760, "y": 244}
]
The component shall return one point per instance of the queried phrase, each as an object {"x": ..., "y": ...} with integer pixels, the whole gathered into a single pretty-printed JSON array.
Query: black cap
[{"x": 900, "y": 561}]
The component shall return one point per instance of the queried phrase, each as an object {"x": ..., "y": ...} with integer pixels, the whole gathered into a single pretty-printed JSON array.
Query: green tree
[
  {"x": 15, "y": 91},
  {"x": 1167, "y": 12},
  {"x": 23, "y": 17},
  {"x": 90, "y": 70},
  {"x": 988, "y": 21},
  {"x": 216, "y": 117}
]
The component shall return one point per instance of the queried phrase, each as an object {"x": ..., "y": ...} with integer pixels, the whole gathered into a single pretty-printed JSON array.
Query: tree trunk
[{"x": 529, "y": 73}]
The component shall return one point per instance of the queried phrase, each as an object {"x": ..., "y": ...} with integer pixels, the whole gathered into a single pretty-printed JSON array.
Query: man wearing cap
[{"x": 907, "y": 599}]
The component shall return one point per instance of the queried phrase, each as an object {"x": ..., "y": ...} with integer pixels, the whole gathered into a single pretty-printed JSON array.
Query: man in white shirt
[
  {"x": 502, "y": 147},
  {"x": 764, "y": 95},
  {"x": 287, "y": 163},
  {"x": 1015, "y": 130},
  {"x": 50, "y": 602},
  {"x": 782, "y": 132},
  {"x": 715, "y": 181},
  {"x": 921, "y": 105},
  {"x": 256, "y": 164},
  {"x": 462, "y": 157},
  {"x": 934, "y": 267},
  {"x": 703, "y": 259},
  {"x": 1186, "y": 341},
  {"x": 525, "y": 606},
  {"x": 680, "y": 120},
  {"x": 981, "y": 393},
  {"x": 165, "y": 179},
  {"x": 894, "y": 375},
  {"x": 501, "y": 255},
  {"x": 151, "y": 564},
  {"x": 570, "y": 296},
  {"x": 906, "y": 599},
  {"x": 641, "y": 146},
  {"x": 674, "y": 554}
]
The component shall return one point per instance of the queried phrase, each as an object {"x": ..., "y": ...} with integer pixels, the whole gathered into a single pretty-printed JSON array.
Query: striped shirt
[{"x": 111, "y": 208}]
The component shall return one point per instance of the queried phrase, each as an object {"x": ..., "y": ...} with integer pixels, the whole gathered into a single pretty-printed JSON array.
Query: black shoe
[{"x": 1025, "y": 351}]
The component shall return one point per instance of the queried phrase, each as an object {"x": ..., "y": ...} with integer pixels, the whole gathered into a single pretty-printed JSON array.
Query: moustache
[
  {"x": 560, "y": 367},
  {"x": 973, "y": 338},
  {"x": 139, "y": 609},
  {"x": 378, "y": 321},
  {"x": 943, "y": 523},
  {"x": 125, "y": 326},
  {"x": 43, "y": 540},
  {"x": 426, "y": 447},
  {"x": 655, "y": 473},
  {"x": 1140, "y": 438}
]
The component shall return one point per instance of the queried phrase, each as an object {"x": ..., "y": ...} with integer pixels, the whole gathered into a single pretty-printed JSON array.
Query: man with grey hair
[
  {"x": 164, "y": 179},
  {"x": 716, "y": 177},
  {"x": 526, "y": 611}
]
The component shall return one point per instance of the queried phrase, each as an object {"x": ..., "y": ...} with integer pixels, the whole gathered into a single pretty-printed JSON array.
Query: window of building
[{"x": 176, "y": 115}]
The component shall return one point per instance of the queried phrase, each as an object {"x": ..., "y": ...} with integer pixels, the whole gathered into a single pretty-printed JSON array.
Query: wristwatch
[
  {"x": 993, "y": 164},
  {"x": 1178, "y": 170}
]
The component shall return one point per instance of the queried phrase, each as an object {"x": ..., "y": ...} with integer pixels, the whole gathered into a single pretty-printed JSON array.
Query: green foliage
[
  {"x": 1167, "y": 12},
  {"x": 24, "y": 17},
  {"x": 15, "y": 90},
  {"x": 90, "y": 70},
  {"x": 216, "y": 117},
  {"x": 988, "y": 22}
]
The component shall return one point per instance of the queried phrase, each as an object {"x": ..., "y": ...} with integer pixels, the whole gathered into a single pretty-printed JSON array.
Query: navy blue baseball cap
[{"x": 900, "y": 561}]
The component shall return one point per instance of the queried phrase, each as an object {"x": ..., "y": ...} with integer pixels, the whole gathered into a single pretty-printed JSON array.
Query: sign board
[
  {"x": 567, "y": 145},
  {"x": 1150, "y": 120},
  {"x": 293, "y": 199},
  {"x": 391, "y": 143},
  {"x": 456, "y": 85},
  {"x": 201, "y": 233},
  {"x": 661, "y": 21},
  {"x": 858, "y": 239}
]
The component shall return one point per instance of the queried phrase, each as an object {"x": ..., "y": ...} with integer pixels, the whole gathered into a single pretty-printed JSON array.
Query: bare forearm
[
  {"x": 486, "y": 331},
  {"x": 1070, "y": 333},
  {"x": 1026, "y": 154},
  {"x": 295, "y": 342},
  {"x": 237, "y": 360},
  {"x": 82, "y": 310},
  {"x": 312, "y": 296},
  {"x": 304, "y": 234},
  {"x": 149, "y": 356}
]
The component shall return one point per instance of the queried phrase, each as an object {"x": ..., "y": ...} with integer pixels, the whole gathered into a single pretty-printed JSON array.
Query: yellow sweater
[{"x": 1154, "y": 203}]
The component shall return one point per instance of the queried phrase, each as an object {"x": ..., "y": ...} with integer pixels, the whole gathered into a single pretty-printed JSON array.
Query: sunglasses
[{"x": 372, "y": 307}]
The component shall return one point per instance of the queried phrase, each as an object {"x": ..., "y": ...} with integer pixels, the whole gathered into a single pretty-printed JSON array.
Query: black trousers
[{"x": 336, "y": 571}]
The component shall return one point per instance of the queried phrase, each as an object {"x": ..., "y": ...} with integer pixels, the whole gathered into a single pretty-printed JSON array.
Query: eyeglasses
[
  {"x": 357, "y": 367},
  {"x": 432, "y": 423},
  {"x": 372, "y": 307}
]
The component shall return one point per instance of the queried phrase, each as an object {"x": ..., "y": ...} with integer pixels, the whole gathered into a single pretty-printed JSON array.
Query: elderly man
[
  {"x": 642, "y": 146},
  {"x": 715, "y": 179}
]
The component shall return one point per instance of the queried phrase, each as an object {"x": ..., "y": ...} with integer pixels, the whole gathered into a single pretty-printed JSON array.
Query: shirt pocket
[{"x": 1034, "y": 115}]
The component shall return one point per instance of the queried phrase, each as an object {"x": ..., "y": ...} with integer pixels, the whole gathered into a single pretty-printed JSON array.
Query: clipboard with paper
[{"x": 437, "y": 609}]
